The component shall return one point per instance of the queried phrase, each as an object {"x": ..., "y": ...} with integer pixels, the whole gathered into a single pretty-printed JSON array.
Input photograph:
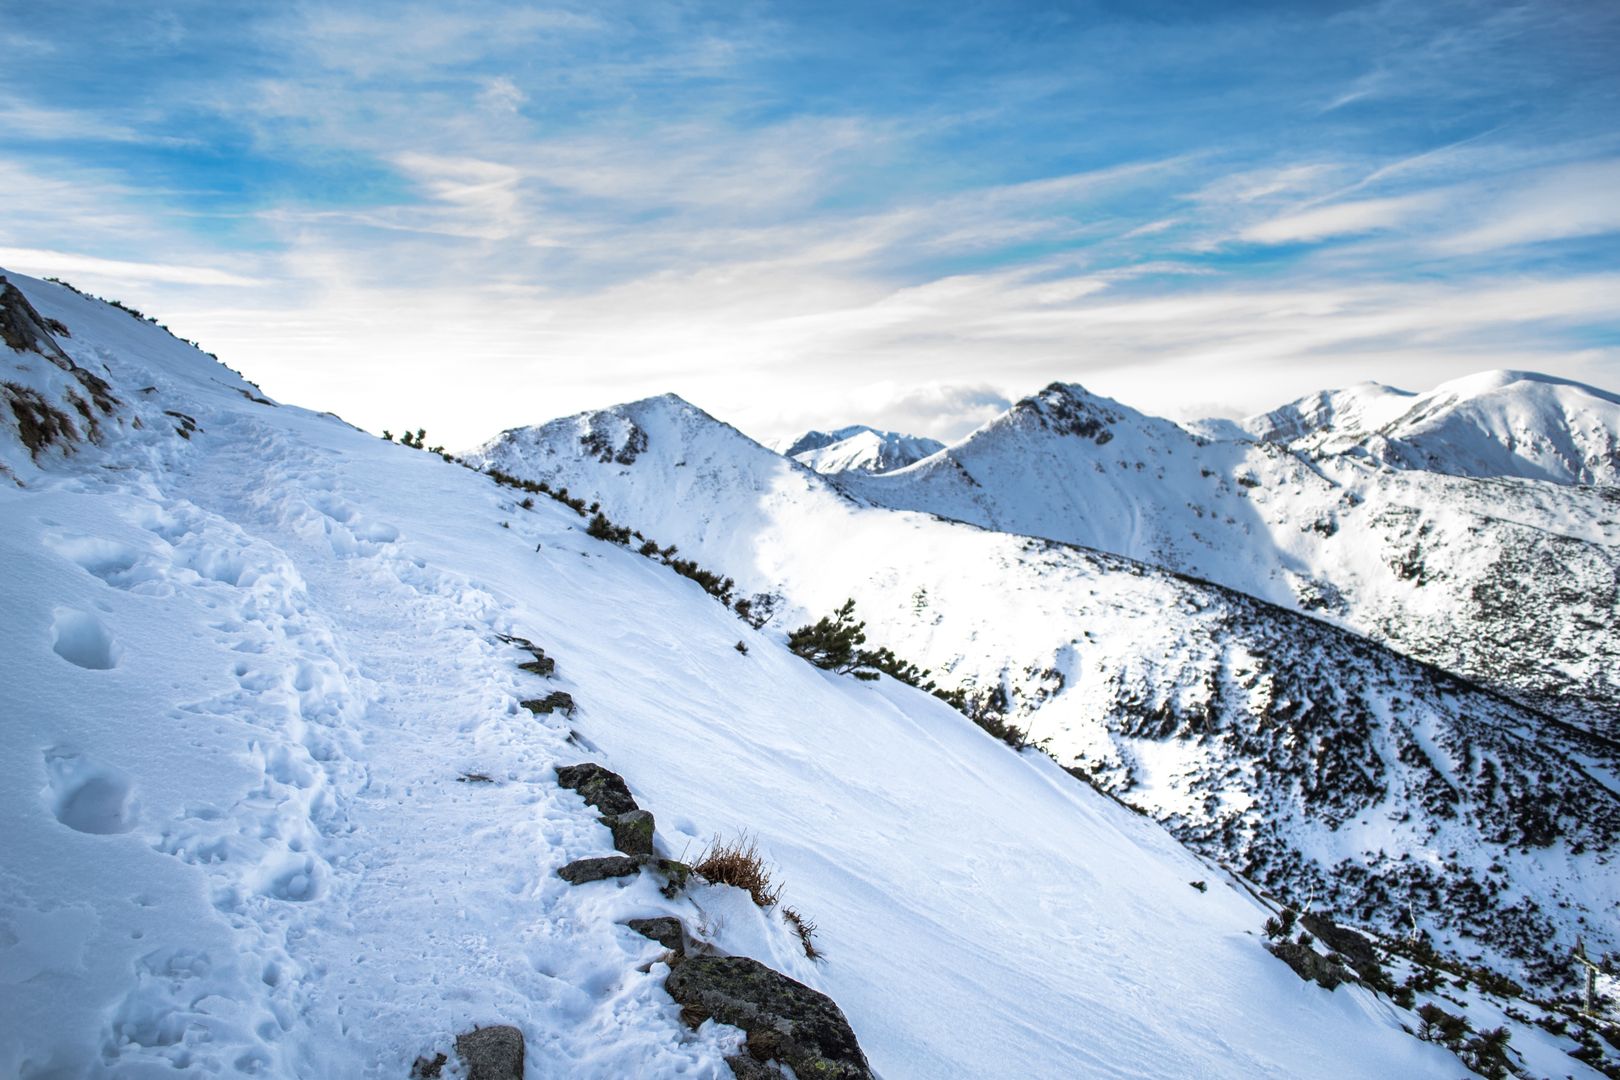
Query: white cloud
[
  {"x": 1341, "y": 219},
  {"x": 501, "y": 95},
  {"x": 1571, "y": 201},
  {"x": 41, "y": 263}
]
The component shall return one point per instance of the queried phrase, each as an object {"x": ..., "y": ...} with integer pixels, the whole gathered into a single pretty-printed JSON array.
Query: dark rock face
[
  {"x": 582, "y": 871},
  {"x": 1309, "y": 965},
  {"x": 665, "y": 929},
  {"x": 492, "y": 1053},
  {"x": 632, "y": 832},
  {"x": 556, "y": 701},
  {"x": 784, "y": 1019},
  {"x": 600, "y": 445},
  {"x": 599, "y": 787},
  {"x": 1356, "y": 949},
  {"x": 744, "y": 1067},
  {"x": 540, "y": 665},
  {"x": 41, "y": 422}
]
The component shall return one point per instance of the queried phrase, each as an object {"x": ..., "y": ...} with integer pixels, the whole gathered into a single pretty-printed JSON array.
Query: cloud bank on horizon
[{"x": 804, "y": 215}]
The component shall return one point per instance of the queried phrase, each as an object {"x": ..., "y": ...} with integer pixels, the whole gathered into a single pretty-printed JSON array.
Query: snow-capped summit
[
  {"x": 1366, "y": 406},
  {"x": 1492, "y": 424},
  {"x": 858, "y": 448},
  {"x": 1402, "y": 554}
]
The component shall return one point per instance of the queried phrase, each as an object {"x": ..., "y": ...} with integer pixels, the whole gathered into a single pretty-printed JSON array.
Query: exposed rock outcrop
[
  {"x": 581, "y": 871},
  {"x": 601, "y": 788},
  {"x": 784, "y": 1019},
  {"x": 664, "y": 929},
  {"x": 556, "y": 701},
  {"x": 492, "y": 1053},
  {"x": 632, "y": 832}
]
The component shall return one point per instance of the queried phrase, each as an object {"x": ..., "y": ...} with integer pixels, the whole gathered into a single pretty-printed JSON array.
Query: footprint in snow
[
  {"x": 80, "y": 638},
  {"x": 87, "y": 796}
]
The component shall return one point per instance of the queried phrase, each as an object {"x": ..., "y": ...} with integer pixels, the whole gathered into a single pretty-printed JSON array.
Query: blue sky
[{"x": 473, "y": 215}]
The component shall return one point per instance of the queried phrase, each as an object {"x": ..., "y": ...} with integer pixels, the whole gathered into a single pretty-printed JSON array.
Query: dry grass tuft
[
  {"x": 737, "y": 862},
  {"x": 805, "y": 928}
]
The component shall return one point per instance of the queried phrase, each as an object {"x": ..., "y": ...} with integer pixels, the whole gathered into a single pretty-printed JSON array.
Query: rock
[
  {"x": 601, "y": 788},
  {"x": 428, "y": 1068},
  {"x": 556, "y": 701},
  {"x": 665, "y": 929},
  {"x": 632, "y": 832},
  {"x": 676, "y": 875},
  {"x": 540, "y": 665},
  {"x": 492, "y": 1053},
  {"x": 785, "y": 1020},
  {"x": 608, "y": 866},
  {"x": 1356, "y": 948},
  {"x": 1310, "y": 965},
  {"x": 744, "y": 1067}
]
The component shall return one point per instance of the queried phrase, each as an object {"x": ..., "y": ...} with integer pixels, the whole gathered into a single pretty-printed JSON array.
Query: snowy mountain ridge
[
  {"x": 1231, "y": 720},
  {"x": 1493, "y": 424},
  {"x": 279, "y": 808},
  {"x": 1400, "y": 555}
]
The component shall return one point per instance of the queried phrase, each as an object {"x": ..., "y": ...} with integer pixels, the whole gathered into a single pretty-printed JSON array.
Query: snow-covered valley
[{"x": 278, "y": 807}]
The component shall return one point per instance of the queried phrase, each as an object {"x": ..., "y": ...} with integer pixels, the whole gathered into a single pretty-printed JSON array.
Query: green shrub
[{"x": 834, "y": 643}]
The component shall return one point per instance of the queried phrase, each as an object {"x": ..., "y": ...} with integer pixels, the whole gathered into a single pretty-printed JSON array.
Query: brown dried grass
[{"x": 737, "y": 862}]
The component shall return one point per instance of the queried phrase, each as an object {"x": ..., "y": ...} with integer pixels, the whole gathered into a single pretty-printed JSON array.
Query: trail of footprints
[
  {"x": 295, "y": 694},
  {"x": 299, "y": 702}
]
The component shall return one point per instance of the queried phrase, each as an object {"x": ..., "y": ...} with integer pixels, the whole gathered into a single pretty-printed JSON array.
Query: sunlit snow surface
[{"x": 243, "y": 672}]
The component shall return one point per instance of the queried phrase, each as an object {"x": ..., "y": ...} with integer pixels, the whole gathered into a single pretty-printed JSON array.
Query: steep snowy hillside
[
  {"x": 1401, "y": 555},
  {"x": 859, "y": 448},
  {"x": 1316, "y": 761},
  {"x": 1494, "y": 424},
  {"x": 277, "y": 806}
]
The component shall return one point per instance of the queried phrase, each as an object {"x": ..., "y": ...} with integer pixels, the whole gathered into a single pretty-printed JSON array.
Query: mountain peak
[
  {"x": 859, "y": 448},
  {"x": 1497, "y": 423}
]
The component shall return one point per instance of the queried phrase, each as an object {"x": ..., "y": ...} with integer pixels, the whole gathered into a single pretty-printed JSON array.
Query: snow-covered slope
[
  {"x": 1402, "y": 555},
  {"x": 1493, "y": 424},
  {"x": 249, "y": 652},
  {"x": 1316, "y": 760},
  {"x": 858, "y": 448}
]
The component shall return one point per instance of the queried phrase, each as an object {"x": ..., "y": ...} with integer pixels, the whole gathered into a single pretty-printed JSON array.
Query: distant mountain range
[
  {"x": 858, "y": 448},
  {"x": 1149, "y": 604}
]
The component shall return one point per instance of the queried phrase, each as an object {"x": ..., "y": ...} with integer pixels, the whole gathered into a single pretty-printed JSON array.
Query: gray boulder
[
  {"x": 632, "y": 832},
  {"x": 665, "y": 929},
  {"x": 1310, "y": 965},
  {"x": 784, "y": 1019},
  {"x": 744, "y": 1067},
  {"x": 582, "y": 871},
  {"x": 540, "y": 665},
  {"x": 492, "y": 1053},
  {"x": 599, "y": 787},
  {"x": 556, "y": 701}
]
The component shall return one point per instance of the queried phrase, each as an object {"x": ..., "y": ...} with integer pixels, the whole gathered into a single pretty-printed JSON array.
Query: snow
[{"x": 245, "y": 670}]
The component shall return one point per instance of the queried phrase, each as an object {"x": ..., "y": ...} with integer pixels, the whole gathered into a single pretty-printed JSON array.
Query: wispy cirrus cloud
[{"x": 53, "y": 263}]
